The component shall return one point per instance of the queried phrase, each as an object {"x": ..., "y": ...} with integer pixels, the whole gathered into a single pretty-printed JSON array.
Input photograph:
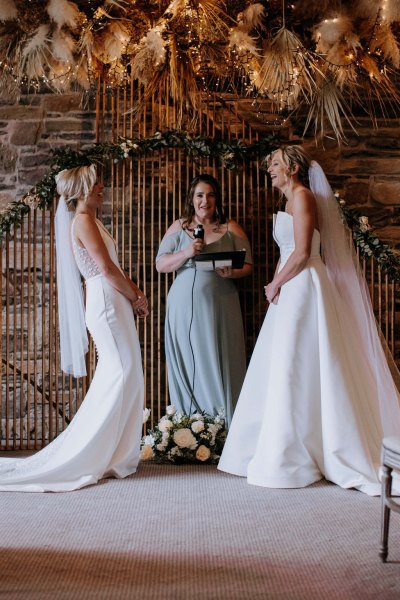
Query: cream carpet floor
[{"x": 191, "y": 532}]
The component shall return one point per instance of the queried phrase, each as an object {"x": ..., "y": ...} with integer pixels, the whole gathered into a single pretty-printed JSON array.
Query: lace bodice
[
  {"x": 85, "y": 263},
  {"x": 284, "y": 236}
]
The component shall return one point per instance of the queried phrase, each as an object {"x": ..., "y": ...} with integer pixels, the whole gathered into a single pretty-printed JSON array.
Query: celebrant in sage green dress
[{"x": 204, "y": 339}]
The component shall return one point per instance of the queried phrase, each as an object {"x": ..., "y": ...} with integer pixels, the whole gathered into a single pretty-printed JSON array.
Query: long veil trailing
[
  {"x": 344, "y": 272},
  {"x": 71, "y": 309}
]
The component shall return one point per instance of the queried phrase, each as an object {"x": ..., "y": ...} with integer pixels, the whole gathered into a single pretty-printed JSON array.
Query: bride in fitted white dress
[
  {"x": 309, "y": 405},
  {"x": 103, "y": 438}
]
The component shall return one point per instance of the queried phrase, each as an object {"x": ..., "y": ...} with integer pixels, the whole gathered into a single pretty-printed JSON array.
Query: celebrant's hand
[
  {"x": 224, "y": 272},
  {"x": 194, "y": 248}
]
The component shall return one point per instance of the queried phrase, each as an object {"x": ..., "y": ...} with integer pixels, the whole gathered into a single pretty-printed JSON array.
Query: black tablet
[{"x": 208, "y": 261}]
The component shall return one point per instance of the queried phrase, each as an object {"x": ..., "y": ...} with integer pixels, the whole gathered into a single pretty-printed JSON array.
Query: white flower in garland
[
  {"x": 170, "y": 410},
  {"x": 146, "y": 414}
]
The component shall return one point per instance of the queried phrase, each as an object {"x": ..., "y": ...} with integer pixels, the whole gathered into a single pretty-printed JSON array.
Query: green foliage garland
[
  {"x": 368, "y": 244},
  {"x": 228, "y": 152}
]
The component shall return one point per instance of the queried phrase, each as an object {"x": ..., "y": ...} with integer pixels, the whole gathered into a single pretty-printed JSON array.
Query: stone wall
[
  {"x": 29, "y": 131},
  {"x": 365, "y": 170}
]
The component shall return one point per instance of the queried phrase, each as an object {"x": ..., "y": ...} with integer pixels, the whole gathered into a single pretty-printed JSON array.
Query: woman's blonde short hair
[
  {"x": 292, "y": 156},
  {"x": 75, "y": 184}
]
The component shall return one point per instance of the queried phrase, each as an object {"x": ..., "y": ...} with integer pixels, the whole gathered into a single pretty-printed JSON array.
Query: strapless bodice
[
  {"x": 284, "y": 236},
  {"x": 85, "y": 263}
]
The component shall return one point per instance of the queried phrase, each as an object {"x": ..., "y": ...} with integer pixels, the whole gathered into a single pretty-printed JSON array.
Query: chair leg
[{"x": 385, "y": 515}]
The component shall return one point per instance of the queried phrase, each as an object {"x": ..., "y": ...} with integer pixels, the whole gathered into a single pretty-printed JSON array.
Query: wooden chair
[{"x": 390, "y": 460}]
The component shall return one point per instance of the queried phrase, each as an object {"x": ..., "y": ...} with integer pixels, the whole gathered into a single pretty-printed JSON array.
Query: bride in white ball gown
[
  {"x": 103, "y": 439},
  {"x": 318, "y": 395}
]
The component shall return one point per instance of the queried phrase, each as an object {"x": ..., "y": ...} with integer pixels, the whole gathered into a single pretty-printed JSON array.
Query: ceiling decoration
[{"x": 324, "y": 60}]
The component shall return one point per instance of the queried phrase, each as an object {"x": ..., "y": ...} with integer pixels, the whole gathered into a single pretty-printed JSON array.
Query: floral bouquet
[{"x": 180, "y": 438}]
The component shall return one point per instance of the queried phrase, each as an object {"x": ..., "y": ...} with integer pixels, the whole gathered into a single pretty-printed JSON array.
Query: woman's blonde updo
[
  {"x": 76, "y": 184},
  {"x": 292, "y": 156}
]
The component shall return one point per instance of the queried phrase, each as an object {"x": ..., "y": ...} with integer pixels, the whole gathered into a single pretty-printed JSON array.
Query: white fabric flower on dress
[
  {"x": 203, "y": 453},
  {"x": 184, "y": 438}
]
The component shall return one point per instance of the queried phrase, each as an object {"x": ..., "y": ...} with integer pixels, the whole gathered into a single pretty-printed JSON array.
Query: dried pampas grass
[
  {"x": 150, "y": 56},
  {"x": 252, "y": 17},
  {"x": 387, "y": 43},
  {"x": 175, "y": 7},
  {"x": 63, "y": 46},
  {"x": 63, "y": 12},
  {"x": 111, "y": 44},
  {"x": 8, "y": 10},
  {"x": 391, "y": 10},
  {"x": 331, "y": 31},
  {"x": 243, "y": 42},
  {"x": 82, "y": 76},
  {"x": 60, "y": 76},
  {"x": 35, "y": 54}
]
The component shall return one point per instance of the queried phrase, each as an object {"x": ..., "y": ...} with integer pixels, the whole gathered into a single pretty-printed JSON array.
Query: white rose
[
  {"x": 197, "y": 417},
  {"x": 148, "y": 440},
  {"x": 197, "y": 426},
  {"x": 165, "y": 424},
  {"x": 184, "y": 438},
  {"x": 161, "y": 447},
  {"x": 203, "y": 453},
  {"x": 171, "y": 410},
  {"x": 146, "y": 414},
  {"x": 146, "y": 453}
]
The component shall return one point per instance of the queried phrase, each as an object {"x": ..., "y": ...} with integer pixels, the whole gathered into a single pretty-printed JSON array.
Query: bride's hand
[
  {"x": 140, "y": 306},
  {"x": 272, "y": 293}
]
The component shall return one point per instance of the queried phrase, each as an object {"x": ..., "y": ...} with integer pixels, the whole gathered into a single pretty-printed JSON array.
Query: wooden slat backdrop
[{"x": 142, "y": 198}]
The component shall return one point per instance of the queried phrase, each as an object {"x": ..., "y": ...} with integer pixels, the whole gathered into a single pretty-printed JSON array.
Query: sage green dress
[{"x": 204, "y": 339}]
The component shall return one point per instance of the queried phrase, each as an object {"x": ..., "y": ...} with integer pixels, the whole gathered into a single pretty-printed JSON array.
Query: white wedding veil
[
  {"x": 72, "y": 184},
  {"x": 71, "y": 310},
  {"x": 344, "y": 272}
]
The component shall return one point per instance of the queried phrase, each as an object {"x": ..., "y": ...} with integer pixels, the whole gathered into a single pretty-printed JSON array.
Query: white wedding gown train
[
  {"x": 308, "y": 407},
  {"x": 103, "y": 438}
]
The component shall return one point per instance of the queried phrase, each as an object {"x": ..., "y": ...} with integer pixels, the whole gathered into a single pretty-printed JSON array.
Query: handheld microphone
[{"x": 198, "y": 232}]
